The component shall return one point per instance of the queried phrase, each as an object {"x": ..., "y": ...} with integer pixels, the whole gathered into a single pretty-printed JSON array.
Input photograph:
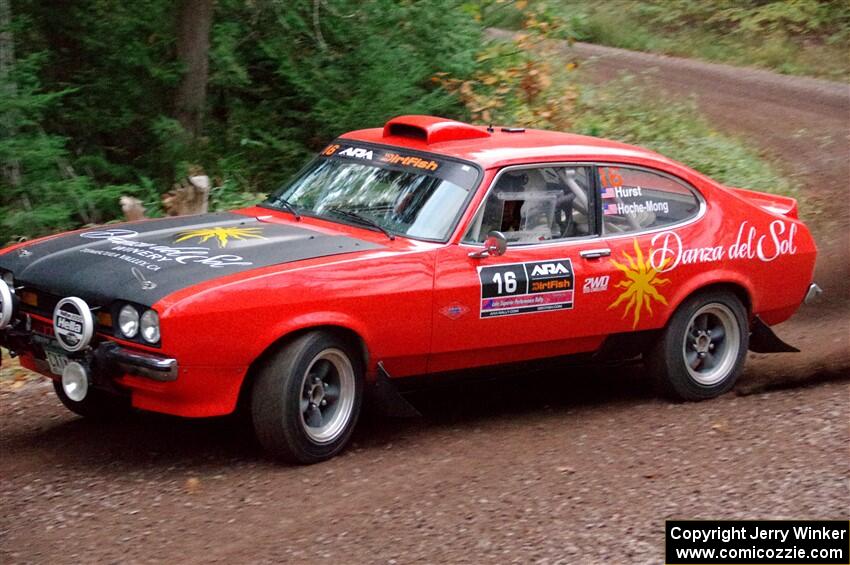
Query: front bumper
[
  {"x": 153, "y": 381},
  {"x": 139, "y": 363},
  {"x": 107, "y": 360}
]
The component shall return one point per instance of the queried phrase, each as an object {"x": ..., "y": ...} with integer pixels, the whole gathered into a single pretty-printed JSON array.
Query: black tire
[
  {"x": 711, "y": 372},
  {"x": 284, "y": 390},
  {"x": 97, "y": 405}
]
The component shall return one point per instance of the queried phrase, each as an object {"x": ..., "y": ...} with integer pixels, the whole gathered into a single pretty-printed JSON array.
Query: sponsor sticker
[
  {"x": 221, "y": 235},
  {"x": 356, "y": 153},
  {"x": 410, "y": 161},
  {"x": 526, "y": 288},
  {"x": 155, "y": 256},
  {"x": 399, "y": 159},
  {"x": 640, "y": 283},
  {"x": 454, "y": 311},
  {"x": 595, "y": 284},
  {"x": 72, "y": 323}
]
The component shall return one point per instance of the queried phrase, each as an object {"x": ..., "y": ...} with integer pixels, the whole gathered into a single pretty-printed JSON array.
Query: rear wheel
[
  {"x": 702, "y": 350},
  {"x": 97, "y": 404},
  {"x": 306, "y": 399}
]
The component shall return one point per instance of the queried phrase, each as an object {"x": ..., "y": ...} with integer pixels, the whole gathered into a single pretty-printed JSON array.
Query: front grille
[
  {"x": 36, "y": 301},
  {"x": 44, "y": 305},
  {"x": 42, "y": 328}
]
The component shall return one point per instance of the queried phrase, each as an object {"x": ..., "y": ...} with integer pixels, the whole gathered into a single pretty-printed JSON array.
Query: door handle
[{"x": 595, "y": 253}]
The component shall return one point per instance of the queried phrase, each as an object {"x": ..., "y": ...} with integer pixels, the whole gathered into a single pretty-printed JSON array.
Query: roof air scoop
[{"x": 432, "y": 129}]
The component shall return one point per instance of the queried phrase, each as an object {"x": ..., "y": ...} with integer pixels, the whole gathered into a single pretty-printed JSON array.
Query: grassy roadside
[
  {"x": 625, "y": 110},
  {"x": 803, "y": 37},
  {"x": 545, "y": 89}
]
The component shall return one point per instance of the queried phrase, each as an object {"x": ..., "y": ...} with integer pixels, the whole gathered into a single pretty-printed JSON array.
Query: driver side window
[{"x": 536, "y": 205}]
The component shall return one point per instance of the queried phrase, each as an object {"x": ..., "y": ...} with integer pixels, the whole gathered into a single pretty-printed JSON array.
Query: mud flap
[
  {"x": 763, "y": 340},
  {"x": 387, "y": 400}
]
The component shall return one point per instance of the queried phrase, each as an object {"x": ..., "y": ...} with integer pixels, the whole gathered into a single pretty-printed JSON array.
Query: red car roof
[{"x": 497, "y": 146}]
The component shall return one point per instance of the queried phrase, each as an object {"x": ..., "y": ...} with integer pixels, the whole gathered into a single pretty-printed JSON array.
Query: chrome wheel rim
[
  {"x": 327, "y": 396},
  {"x": 711, "y": 344}
]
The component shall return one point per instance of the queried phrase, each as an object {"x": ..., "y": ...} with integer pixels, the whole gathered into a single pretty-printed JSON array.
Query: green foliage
[
  {"x": 95, "y": 114},
  {"x": 91, "y": 117},
  {"x": 805, "y": 37},
  {"x": 624, "y": 111}
]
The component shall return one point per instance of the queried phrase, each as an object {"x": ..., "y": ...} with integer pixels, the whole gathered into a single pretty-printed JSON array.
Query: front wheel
[
  {"x": 306, "y": 398},
  {"x": 702, "y": 350}
]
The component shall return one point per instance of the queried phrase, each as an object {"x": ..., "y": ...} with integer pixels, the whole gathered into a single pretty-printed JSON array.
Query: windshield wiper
[
  {"x": 361, "y": 219},
  {"x": 281, "y": 201}
]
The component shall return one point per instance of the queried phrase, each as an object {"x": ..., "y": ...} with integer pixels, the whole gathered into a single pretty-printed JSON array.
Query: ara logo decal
[
  {"x": 543, "y": 269},
  {"x": 357, "y": 153},
  {"x": 595, "y": 284},
  {"x": 223, "y": 235},
  {"x": 640, "y": 284}
]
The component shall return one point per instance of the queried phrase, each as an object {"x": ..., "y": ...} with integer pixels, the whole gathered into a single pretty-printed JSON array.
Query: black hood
[{"x": 146, "y": 261}]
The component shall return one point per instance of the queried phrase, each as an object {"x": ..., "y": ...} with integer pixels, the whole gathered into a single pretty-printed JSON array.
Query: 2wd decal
[
  {"x": 526, "y": 288},
  {"x": 595, "y": 284}
]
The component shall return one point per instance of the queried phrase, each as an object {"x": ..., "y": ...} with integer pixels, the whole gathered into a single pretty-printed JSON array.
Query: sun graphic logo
[
  {"x": 223, "y": 235},
  {"x": 640, "y": 285}
]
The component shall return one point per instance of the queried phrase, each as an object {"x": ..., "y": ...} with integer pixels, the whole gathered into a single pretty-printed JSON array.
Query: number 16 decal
[{"x": 525, "y": 288}]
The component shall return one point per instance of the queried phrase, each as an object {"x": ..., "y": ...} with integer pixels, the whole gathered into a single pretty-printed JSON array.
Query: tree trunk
[
  {"x": 193, "y": 43},
  {"x": 8, "y": 88}
]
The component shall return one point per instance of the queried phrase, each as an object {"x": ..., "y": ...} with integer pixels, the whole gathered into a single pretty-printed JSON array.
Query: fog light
[{"x": 75, "y": 381}]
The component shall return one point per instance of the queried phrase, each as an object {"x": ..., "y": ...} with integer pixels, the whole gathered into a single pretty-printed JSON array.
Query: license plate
[{"x": 57, "y": 362}]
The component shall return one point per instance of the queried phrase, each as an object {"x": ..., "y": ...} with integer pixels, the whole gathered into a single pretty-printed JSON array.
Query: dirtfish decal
[{"x": 640, "y": 285}]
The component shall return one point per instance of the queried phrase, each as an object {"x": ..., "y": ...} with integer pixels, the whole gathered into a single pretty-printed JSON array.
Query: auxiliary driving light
[
  {"x": 5, "y": 304},
  {"x": 75, "y": 381}
]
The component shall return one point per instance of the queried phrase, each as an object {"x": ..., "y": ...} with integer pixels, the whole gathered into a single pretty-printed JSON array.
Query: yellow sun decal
[
  {"x": 640, "y": 284},
  {"x": 223, "y": 235}
]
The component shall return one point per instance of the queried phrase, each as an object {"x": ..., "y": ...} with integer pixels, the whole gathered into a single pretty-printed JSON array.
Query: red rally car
[{"x": 424, "y": 247}]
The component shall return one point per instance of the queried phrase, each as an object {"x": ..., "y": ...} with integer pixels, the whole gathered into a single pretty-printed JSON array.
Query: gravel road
[{"x": 531, "y": 468}]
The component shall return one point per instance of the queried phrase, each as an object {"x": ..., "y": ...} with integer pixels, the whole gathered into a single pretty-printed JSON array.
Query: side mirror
[{"x": 494, "y": 246}]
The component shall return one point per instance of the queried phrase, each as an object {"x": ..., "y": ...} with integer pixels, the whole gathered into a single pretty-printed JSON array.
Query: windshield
[{"x": 418, "y": 196}]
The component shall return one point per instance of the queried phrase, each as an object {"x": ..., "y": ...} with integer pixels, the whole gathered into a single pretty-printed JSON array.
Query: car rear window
[{"x": 634, "y": 199}]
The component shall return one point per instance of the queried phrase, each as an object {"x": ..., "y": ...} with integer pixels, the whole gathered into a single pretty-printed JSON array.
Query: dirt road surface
[{"x": 572, "y": 466}]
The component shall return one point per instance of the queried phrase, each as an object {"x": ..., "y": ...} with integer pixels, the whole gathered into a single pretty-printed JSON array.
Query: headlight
[
  {"x": 128, "y": 321},
  {"x": 150, "y": 326}
]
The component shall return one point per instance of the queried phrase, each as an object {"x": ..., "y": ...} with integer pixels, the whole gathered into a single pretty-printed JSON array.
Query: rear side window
[{"x": 636, "y": 200}]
